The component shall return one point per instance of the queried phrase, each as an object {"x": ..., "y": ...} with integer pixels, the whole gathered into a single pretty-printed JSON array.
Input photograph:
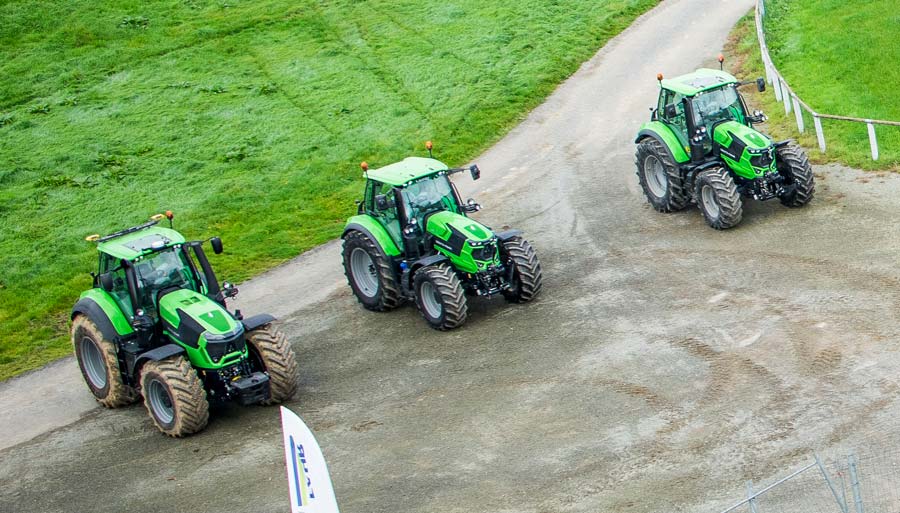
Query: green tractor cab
[
  {"x": 700, "y": 146},
  {"x": 412, "y": 239},
  {"x": 156, "y": 324}
]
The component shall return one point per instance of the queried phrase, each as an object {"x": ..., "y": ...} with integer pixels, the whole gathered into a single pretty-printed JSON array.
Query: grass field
[
  {"x": 840, "y": 57},
  {"x": 248, "y": 119}
]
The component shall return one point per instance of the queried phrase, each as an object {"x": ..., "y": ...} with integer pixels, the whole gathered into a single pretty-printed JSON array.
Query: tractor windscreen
[
  {"x": 161, "y": 270},
  {"x": 722, "y": 104},
  {"x": 429, "y": 195}
]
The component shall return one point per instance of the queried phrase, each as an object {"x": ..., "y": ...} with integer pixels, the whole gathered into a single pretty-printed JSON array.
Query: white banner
[{"x": 308, "y": 479}]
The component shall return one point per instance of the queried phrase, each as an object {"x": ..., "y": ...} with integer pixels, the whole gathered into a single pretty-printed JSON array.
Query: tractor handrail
[{"x": 784, "y": 92}]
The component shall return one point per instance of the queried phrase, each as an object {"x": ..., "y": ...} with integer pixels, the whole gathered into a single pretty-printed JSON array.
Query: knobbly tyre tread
[
  {"x": 797, "y": 169},
  {"x": 116, "y": 393},
  {"x": 731, "y": 208},
  {"x": 388, "y": 296},
  {"x": 677, "y": 195},
  {"x": 527, "y": 270},
  {"x": 187, "y": 393},
  {"x": 455, "y": 306},
  {"x": 279, "y": 360}
]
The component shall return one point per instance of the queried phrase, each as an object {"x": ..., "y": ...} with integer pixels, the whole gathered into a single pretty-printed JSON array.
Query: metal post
[
  {"x": 751, "y": 499},
  {"x": 854, "y": 483},
  {"x": 820, "y": 135},
  {"x": 841, "y": 503},
  {"x": 786, "y": 95},
  {"x": 762, "y": 7},
  {"x": 776, "y": 86},
  {"x": 798, "y": 113},
  {"x": 873, "y": 142}
]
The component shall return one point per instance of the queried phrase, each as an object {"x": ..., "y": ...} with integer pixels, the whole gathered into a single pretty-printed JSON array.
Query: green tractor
[
  {"x": 412, "y": 239},
  {"x": 155, "y": 324},
  {"x": 700, "y": 146}
]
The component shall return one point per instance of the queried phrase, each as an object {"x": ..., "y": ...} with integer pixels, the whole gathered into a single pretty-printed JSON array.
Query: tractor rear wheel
[
  {"x": 99, "y": 364},
  {"x": 174, "y": 396},
  {"x": 793, "y": 165},
  {"x": 718, "y": 198},
  {"x": 526, "y": 275},
  {"x": 271, "y": 353},
  {"x": 440, "y": 296},
  {"x": 660, "y": 177},
  {"x": 369, "y": 273}
]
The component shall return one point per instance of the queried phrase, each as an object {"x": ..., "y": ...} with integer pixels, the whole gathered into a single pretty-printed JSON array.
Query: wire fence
[
  {"x": 792, "y": 102},
  {"x": 856, "y": 483}
]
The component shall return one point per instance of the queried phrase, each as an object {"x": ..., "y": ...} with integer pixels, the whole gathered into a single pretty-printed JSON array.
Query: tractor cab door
[
  {"x": 387, "y": 217},
  {"x": 671, "y": 112},
  {"x": 119, "y": 292}
]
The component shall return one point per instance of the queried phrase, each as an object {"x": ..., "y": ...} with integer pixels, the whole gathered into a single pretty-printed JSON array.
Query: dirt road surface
[{"x": 664, "y": 364}]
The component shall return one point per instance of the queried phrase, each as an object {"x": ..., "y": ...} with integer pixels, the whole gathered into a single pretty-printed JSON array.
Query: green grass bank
[
  {"x": 248, "y": 119},
  {"x": 840, "y": 57}
]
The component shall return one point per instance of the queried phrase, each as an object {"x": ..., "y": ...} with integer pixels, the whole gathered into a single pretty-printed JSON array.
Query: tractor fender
[
  {"x": 659, "y": 131},
  {"x": 155, "y": 355},
  {"x": 256, "y": 321},
  {"x": 508, "y": 234},
  {"x": 90, "y": 307},
  {"x": 374, "y": 231},
  {"x": 783, "y": 143},
  {"x": 423, "y": 262}
]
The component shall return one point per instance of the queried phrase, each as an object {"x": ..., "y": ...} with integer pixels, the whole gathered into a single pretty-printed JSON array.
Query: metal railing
[{"x": 784, "y": 93}]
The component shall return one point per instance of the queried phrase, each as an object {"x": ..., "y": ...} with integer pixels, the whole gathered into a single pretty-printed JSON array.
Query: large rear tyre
[
  {"x": 271, "y": 353},
  {"x": 99, "y": 364},
  {"x": 660, "y": 177},
  {"x": 526, "y": 275},
  {"x": 369, "y": 273},
  {"x": 440, "y": 296},
  {"x": 793, "y": 165},
  {"x": 174, "y": 396},
  {"x": 718, "y": 198}
]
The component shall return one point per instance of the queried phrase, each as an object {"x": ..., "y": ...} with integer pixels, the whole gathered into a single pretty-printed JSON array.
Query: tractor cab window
[
  {"x": 722, "y": 104},
  {"x": 387, "y": 217},
  {"x": 119, "y": 292},
  {"x": 677, "y": 122},
  {"x": 158, "y": 271},
  {"x": 429, "y": 195}
]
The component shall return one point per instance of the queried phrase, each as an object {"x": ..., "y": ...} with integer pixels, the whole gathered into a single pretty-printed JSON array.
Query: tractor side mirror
[
  {"x": 761, "y": 84},
  {"x": 381, "y": 202},
  {"x": 670, "y": 111},
  {"x": 216, "y": 245},
  {"x": 476, "y": 173},
  {"x": 106, "y": 282}
]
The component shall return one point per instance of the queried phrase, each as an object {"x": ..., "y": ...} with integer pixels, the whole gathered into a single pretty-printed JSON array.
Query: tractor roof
[
  {"x": 701, "y": 80},
  {"x": 132, "y": 245},
  {"x": 405, "y": 171}
]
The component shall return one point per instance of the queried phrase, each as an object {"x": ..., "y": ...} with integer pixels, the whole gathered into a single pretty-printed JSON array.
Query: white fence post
[
  {"x": 820, "y": 135},
  {"x": 798, "y": 113},
  {"x": 786, "y": 95},
  {"x": 873, "y": 142},
  {"x": 776, "y": 86}
]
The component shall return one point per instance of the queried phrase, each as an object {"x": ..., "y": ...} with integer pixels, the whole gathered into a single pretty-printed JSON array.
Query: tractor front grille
[
  {"x": 487, "y": 252},
  {"x": 763, "y": 160},
  {"x": 220, "y": 345}
]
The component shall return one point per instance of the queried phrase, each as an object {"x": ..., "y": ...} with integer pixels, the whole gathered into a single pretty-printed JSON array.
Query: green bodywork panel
[
  {"x": 118, "y": 319},
  {"x": 700, "y": 80},
  {"x": 443, "y": 225},
  {"x": 669, "y": 139},
  {"x": 405, "y": 171},
  {"x": 133, "y": 245},
  {"x": 732, "y": 136},
  {"x": 382, "y": 238},
  {"x": 210, "y": 315}
]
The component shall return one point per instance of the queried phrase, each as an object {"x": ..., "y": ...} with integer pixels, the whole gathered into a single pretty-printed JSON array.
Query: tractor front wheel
[
  {"x": 660, "y": 177},
  {"x": 99, "y": 364},
  {"x": 369, "y": 273},
  {"x": 271, "y": 353},
  {"x": 526, "y": 271},
  {"x": 793, "y": 165},
  {"x": 718, "y": 198},
  {"x": 440, "y": 296},
  {"x": 174, "y": 396}
]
